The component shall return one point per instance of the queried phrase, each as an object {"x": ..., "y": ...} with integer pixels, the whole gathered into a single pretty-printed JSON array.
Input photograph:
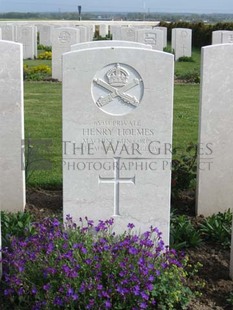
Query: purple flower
[
  {"x": 130, "y": 225},
  {"x": 108, "y": 304},
  {"x": 158, "y": 273},
  {"x": 68, "y": 217},
  {"x": 133, "y": 251},
  {"x": 84, "y": 250},
  {"x": 20, "y": 291},
  {"x": 47, "y": 287},
  {"x": 8, "y": 291},
  {"x": 144, "y": 295},
  {"x": 58, "y": 301},
  {"x": 34, "y": 291},
  {"x": 136, "y": 290},
  {"x": 143, "y": 305},
  {"x": 56, "y": 223}
]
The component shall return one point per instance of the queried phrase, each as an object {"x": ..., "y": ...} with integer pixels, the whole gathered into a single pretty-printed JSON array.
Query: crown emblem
[{"x": 117, "y": 76}]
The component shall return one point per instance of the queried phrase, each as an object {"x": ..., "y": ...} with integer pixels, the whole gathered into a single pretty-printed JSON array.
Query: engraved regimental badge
[{"x": 117, "y": 89}]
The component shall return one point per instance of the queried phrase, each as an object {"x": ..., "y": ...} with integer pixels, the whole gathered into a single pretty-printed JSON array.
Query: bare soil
[{"x": 214, "y": 259}]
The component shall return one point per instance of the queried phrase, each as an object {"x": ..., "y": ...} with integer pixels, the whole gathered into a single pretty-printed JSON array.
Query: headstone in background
[
  {"x": 108, "y": 43},
  {"x": 222, "y": 36},
  {"x": 117, "y": 131},
  {"x": 62, "y": 39},
  {"x": 128, "y": 34},
  {"x": 217, "y": 37},
  {"x": 164, "y": 29},
  {"x": 12, "y": 181},
  {"x": 227, "y": 37},
  {"x": 90, "y": 32},
  {"x": 103, "y": 30},
  {"x": 83, "y": 33},
  {"x": 151, "y": 37},
  {"x": 115, "y": 31},
  {"x": 45, "y": 35},
  {"x": 27, "y": 35},
  {"x": 8, "y": 32},
  {"x": 215, "y": 164},
  {"x": 182, "y": 42}
]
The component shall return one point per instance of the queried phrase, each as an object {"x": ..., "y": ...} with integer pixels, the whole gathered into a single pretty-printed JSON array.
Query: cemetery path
[{"x": 214, "y": 259}]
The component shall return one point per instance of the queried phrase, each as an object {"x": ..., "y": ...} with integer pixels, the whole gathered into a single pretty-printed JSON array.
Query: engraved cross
[{"x": 116, "y": 180}]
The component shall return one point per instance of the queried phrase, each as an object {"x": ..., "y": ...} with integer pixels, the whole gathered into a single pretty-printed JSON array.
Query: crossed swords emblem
[{"x": 117, "y": 92}]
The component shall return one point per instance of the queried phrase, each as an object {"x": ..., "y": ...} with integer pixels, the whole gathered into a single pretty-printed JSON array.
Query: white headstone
[
  {"x": 12, "y": 183},
  {"x": 108, "y": 43},
  {"x": 182, "y": 42},
  {"x": 116, "y": 32},
  {"x": 164, "y": 29},
  {"x": 62, "y": 39},
  {"x": 215, "y": 173},
  {"x": 227, "y": 37},
  {"x": 83, "y": 33},
  {"x": 45, "y": 35},
  {"x": 90, "y": 32},
  {"x": 8, "y": 32},
  {"x": 0, "y": 34},
  {"x": 27, "y": 35},
  {"x": 128, "y": 34},
  {"x": 217, "y": 37},
  {"x": 222, "y": 36},
  {"x": 117, "y": 131},
  {"x": 151, "y": 37},
  {"x": 103, "y": 30}
]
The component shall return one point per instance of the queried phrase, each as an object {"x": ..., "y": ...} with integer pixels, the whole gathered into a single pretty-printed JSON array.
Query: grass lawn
[
  {"x": 185, "y": 68},
  {"x": 43, "y": 113},
  {"x": 37, "y": 62},
  {"x": 185, "y": 123}
]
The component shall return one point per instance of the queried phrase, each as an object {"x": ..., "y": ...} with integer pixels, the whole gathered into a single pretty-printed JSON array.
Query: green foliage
[
  {"x": 185, "y": 59},
  {"x": 183, "y": 234},
  {"x": 101, "y": 38},
  {"x": 230, "y": 299},
  {"x": 201, "y": 32},
  {"x": 217, "y": 228},
  {"x": 184, "y": 169},
  {"x": 45, "y": 55},
  {"x": 168, "y": 49},
  {"x": 44, "y": 48},
  {"x": 189, "y": 76},
  {"x": 15, "y": 224},
  {"x": 36, "y": 73},
  {"x": 170, "y": 287}
]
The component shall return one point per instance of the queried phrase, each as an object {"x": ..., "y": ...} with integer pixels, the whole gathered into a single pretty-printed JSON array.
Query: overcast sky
[{"x": 194, "y": 6}]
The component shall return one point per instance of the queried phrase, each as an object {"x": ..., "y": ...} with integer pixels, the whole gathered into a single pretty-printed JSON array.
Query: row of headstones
[
  {"x": 48, "y": 36},
  {"x": 66, "y": 36},
  {"x": 117, "y": 132},
  {"x": 157, "y": 38},
  {"x": 27, "y": 35},
  {"x": 154, "y": 36}
]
